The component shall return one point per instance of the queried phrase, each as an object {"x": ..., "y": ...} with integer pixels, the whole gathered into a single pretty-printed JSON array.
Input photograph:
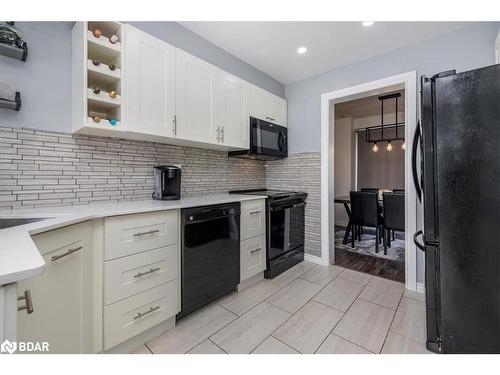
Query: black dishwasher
[{"x": 210, "y": 264}]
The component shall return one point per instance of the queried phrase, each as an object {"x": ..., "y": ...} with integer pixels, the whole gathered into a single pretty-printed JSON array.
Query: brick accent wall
[
  {"x": 39, "y": 168},
  {"x": 301, "y": 172}
]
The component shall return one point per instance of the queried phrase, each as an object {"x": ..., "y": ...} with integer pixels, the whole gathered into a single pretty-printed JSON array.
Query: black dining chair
[
  {"x": 365, "y": 213},
  {"x": 394, "y": 216}
]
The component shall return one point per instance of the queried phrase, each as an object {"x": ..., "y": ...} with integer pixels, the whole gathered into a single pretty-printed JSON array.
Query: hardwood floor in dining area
[{"x": 385, "y": 268}]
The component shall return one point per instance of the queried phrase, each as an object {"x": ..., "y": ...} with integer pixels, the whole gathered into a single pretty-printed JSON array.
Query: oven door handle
[{"x": 296, "y": 205}]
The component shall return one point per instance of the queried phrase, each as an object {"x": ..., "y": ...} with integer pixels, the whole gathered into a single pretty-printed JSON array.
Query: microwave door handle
[{"x": 281, "y": 137}]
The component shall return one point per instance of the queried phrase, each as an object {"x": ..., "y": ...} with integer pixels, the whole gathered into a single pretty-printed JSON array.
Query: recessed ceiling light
[
  {"x": 301, "y": 50},
  {"x": 368, "y": 23}
]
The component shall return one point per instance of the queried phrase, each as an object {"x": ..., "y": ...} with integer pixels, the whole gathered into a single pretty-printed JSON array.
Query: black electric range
[{"x": 285, "y": 227}]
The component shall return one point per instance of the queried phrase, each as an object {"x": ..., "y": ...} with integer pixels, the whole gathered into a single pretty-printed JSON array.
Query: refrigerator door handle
[
  {"x": 418, "y": 244},
  {"x": 414, "y": 149}
]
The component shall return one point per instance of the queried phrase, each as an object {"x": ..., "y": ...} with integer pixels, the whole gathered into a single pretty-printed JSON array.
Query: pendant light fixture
[{"x": 380, "y": 128}]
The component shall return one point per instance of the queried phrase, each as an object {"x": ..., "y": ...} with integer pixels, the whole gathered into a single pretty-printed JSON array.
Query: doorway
[
  {"x": 369, "y": 156},
  {"x": 406, "y": 82}
]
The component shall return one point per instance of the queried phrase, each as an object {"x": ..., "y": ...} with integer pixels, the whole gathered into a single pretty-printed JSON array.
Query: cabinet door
[
  {"x": 195, "y": 95},
  {"x": 253, "y": 257},
  {"x": 62, "y": 296},
  {"x": 232, "y": 110},
  {"x": 267, "y": 106},
  {"x": 150, "y": 84}
]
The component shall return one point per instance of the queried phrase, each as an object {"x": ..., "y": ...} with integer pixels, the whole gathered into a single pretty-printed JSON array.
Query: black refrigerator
[{"x": 460, "y": 187}]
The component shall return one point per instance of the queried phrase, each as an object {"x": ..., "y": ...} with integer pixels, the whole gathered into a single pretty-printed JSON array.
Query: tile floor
[{"x": 308, "y": 309}]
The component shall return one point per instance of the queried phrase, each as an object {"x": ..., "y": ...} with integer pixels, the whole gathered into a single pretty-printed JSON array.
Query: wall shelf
[
  {"x": 9, "y": 104},
  {"x": 86, "y": 76},
  {"x": 14, "y": 51},
  {"x": 104, "y": 98}
]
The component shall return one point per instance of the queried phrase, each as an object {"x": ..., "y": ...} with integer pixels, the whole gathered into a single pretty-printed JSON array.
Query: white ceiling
[
  {"x": 370, "y": 106},
  {"x": 272, "y": 46}
]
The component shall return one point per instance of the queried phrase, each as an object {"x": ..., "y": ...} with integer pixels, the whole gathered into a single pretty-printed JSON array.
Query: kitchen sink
[{"x": 8, "y": 223}]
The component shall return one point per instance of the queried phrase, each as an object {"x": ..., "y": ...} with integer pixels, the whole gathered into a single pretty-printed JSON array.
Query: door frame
[{"x": 409, "y": 82}]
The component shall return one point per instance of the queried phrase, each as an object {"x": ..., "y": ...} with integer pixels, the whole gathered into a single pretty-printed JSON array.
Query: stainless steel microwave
[{"x": 268, "y": 141}]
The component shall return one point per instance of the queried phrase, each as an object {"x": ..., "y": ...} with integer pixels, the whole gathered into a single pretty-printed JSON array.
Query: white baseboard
[
  {"x": 314, "y": 259},
  {"x": 420, "y": 288}
]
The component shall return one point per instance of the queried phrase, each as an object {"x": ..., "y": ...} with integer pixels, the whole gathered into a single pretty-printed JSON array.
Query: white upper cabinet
[
  {"x": 267, "y": 106},
  {"x": 195, "y": 99},
  {"x": 150, "y": 84},
  {"x": 232, "y": 110}
]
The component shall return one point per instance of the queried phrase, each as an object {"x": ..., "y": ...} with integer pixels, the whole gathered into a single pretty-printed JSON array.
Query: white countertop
[{"x": 20, "y": 258}]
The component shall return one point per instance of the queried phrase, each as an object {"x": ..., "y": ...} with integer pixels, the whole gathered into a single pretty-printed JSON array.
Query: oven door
[
  {"x": 286, "y": 227},
  {"x": 268, "y": 139}
]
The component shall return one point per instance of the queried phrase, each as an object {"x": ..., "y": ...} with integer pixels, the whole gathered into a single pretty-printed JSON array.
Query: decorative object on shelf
[
  {"x": 96, "y": 62},
  {"x": 112, "y": 94},
  {"x": 12, "y": 43},
  {"x": 9, "y": 99},
  {"x": 96, "y": 119},
  {"x": 97, "y": 33},
  {"x": 113, "y": 39},
  {"x": 112, "y": 121},
  {"x": 112, "y": 67},
  {"x": 382, "y": 126},
  {"x": 96, "y": 90}
]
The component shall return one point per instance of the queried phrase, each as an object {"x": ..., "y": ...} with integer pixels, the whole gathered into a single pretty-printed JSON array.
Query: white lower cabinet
[
  {"x": 253, "y": 238},
  {"x": 141, "y": 273},
  {"x": 253, "y": 257},
  {"x": 130, "y": 275},
  {"x": 65, "y": 295},
  {"x": 131, "y": 316}
]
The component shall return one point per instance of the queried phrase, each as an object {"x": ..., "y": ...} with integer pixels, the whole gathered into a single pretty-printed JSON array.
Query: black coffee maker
[{"x": 167, "y": 182}]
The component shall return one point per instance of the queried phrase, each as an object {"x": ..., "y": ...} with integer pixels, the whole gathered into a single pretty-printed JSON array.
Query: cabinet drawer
[
  {"x": 253, "y": 257},
  {"x": 136, "y": 273},
  {"x": 131, "y": 234},
  {"x": 133, "y": 315},
  {"x": 253, "y": 219}
]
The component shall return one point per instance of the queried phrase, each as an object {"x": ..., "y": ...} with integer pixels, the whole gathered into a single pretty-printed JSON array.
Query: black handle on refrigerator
[
  {"x": 418, "y": 244},
  {"x": 414, "y": 148}
]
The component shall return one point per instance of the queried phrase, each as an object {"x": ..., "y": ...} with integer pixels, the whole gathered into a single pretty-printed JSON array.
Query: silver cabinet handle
[
  {"x": 139, "y": 274},
  {"x": 28, "y": 304},
  {"x": 218, "y": 133},
  {"x": 138, "y": 234},
  {"x": 174, "y": 125},
  {"x": 255, "y": 212},
  {"x": 222, "y": 137},
  {"x": 151, "y": 309},
  {"x": 256, "y": 250},
  {"x": 270, "y": 118},
  {"x": 70, "y": 251}
]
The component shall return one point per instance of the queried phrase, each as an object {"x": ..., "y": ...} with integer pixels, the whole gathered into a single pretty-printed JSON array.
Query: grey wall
[
  {"x": 45, "y": 79},
  {"x": 467, "y": 48}
]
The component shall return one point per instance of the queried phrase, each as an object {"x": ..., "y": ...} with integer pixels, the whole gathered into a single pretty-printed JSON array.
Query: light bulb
[
  {"x": 389, "y": 146},
  {"x": 403, "y": 146},
  {"x": 375, "y": 147}
]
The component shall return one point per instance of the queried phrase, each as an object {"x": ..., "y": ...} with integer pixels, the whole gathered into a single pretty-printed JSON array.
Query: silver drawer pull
[
  {"x": 70, "y": 251},
  {"x": 270, "y": 118},
  {"x": 28, "y": 304},
  {"x": 256, "y": 250},
  {"x": 255, "y": 212},
  {"x": 138, "y": 234},
  {"x": 151, "y": 309},
  {"x": 147, "y": 272}
]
